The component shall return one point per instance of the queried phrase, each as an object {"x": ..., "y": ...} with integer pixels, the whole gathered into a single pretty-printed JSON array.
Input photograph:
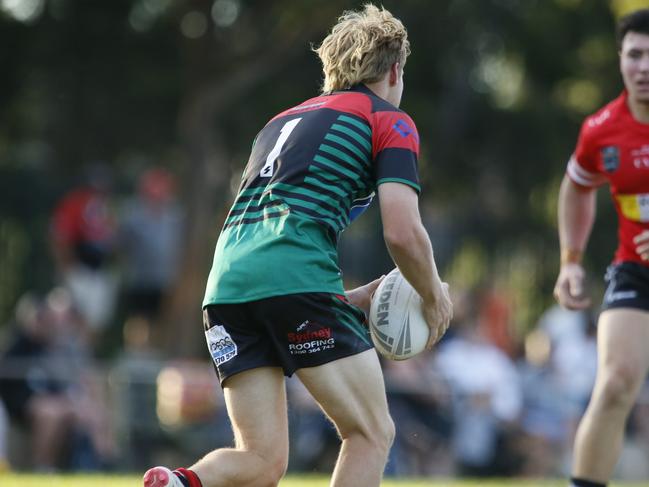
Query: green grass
[{"x": 30, "y": 480}]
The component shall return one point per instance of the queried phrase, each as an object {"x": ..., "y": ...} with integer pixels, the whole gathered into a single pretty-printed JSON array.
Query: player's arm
[
  {"x": 576, "y": 215},
  {"x": 411, "y": 249}
]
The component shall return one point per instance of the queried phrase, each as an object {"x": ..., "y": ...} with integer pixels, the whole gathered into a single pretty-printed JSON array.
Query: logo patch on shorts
[
  {"x": 309, "y": 337},
  {"x": 222, "y": 347},
  {"x": 611, "y": 297}
]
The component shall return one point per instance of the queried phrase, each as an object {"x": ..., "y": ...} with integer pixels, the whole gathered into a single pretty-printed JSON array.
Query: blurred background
[{"x": 124, "y": 128}]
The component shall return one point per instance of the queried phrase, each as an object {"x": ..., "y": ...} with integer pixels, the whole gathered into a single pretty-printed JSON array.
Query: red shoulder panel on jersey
[
  {"x": 394, "y": 130},
  {"x": 347, "y": 102}
]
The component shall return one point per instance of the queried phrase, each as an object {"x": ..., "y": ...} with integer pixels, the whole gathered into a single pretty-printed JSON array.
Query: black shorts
[
  {"x": 627, "y": 286},
  {"x": 291, "y": 332}
]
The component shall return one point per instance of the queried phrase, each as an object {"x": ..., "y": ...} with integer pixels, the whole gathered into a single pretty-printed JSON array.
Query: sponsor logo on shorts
[
  {"x": 620, "y": 295},
  {"x": 222, "y": 347},
  {"x": 310, "y": 337}
]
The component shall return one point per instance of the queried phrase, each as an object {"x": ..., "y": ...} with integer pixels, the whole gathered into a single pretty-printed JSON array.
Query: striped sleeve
[
  {"x": 583, "y": 168},
  {"x": 583, "y": 177}
]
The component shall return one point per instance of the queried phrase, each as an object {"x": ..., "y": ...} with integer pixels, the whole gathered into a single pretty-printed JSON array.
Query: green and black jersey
[{"x": 312, "y": 170}]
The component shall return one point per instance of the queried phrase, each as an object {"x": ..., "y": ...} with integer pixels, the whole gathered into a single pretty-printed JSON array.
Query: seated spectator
[
  {"x": 420, "y": 400},
  {"x": 45, "y": 387},
  {"x": 546, "y": 424},
  {"x": 557, "y": 375},
  {"x": 486, "y": 400}
]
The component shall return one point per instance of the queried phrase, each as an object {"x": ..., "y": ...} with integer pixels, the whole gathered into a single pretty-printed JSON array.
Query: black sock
[{"x": 575, "y": 482}]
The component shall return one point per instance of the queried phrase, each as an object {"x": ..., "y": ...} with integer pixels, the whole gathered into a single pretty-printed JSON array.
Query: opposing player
[
  {"x": 275, "y": 303},
  {"x": 613, "y": 148}
]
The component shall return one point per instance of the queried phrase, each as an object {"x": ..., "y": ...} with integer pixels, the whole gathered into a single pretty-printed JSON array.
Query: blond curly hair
[{"x": 362, "y": 47}]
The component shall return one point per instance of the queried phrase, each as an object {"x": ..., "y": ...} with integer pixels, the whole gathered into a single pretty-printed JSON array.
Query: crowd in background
[
  {"x": 485, "y": 402},
  {"x": 115, "y": 262}
]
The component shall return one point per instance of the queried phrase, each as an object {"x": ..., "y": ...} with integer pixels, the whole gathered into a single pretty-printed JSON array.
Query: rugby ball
[{"x": 396, "y": 321}]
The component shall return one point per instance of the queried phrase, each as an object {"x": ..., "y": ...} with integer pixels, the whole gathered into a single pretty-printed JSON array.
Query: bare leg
[
  {"x": 256, "y": 402},
  {"x": 51, "y": 418},
  {"x": 351, "y": 392},
  {"x": 623, "y": 341},
  {"x": 93, "y": 417}
]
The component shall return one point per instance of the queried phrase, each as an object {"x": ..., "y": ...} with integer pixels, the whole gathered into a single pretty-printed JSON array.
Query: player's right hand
[
  {"x": 362, "y": 295},
  {"x": 438, "y": 314},
  {"x": 569, "y": 289}
]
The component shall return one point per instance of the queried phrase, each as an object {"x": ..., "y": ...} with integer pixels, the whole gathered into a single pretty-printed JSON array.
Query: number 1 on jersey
[{"x": 268, "y": 169}]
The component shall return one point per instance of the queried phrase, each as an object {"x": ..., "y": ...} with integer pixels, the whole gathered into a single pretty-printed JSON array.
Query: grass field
[{"x": 27, "y": 480}]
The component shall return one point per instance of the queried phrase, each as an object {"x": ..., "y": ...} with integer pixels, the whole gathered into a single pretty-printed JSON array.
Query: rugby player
[
  {"x": 275, "y": 303},
  {"x": 613, "y": 149}
]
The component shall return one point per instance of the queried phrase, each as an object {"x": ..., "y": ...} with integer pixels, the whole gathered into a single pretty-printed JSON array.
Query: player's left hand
[
  {"x": 362, "y": 295},
  {"x": 642, "y": 244}
]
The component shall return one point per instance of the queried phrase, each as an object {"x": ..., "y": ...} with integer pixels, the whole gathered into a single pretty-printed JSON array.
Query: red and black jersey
[
  {"x": 313, "y": 168},
  {"x": 613, "y": 148},
  {"x": 351, "y": 140}
]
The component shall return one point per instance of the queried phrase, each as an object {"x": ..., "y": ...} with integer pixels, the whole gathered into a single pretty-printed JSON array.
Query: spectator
[
  {"x": 573, "y": 355},
  {"x": 547, "y": 421},
  {"x": 31, "y": 396},
  {"x": 486, "y": 400},
  {"x": 149, "y": 237},
  {"x": 420, "y": 399},
  {"x": 46, "y": 389},
  {"x": 83, "y": 238}
]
